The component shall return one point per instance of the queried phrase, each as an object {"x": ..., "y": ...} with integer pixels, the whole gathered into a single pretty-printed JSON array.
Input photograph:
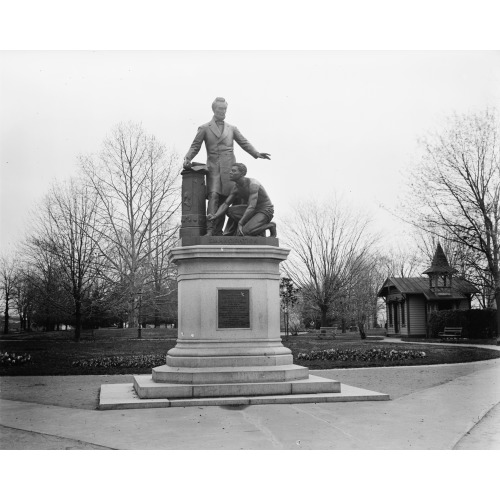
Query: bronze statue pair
[{"x": 229, "y": 191}]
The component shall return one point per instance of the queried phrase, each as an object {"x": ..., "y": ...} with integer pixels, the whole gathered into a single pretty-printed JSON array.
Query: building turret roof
[{"x": 439, "y": 263}]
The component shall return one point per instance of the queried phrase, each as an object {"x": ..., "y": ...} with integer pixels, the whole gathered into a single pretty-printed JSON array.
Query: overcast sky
[{"x": 344, "y": 122}]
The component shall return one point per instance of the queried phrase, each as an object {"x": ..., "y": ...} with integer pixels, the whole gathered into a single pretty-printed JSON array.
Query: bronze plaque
[{"x": 234, "y": 308}]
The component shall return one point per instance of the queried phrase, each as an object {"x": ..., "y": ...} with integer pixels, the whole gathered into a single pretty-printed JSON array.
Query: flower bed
[
  {"x": 14, "y": 359},
  {"x": 139, "y": 361},
  {"x": 375, "y": 354}
]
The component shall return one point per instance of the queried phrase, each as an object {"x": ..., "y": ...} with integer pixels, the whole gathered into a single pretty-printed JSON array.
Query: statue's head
[
  {"x": 219, "y": 107},
  {"x": 237, "y": 171}
]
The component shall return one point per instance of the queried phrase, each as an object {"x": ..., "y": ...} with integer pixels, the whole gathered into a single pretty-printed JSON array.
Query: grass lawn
[
  {"x": 434, "y": 354},
  {"x": 55, "y": 353}
]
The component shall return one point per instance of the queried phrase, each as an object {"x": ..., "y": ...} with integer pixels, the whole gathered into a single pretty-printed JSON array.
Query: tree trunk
[
  {"x": 324, "y": 311},
  {"x": 157, "y": 307},
  {"x": 6, "y": 319},
  {"x": 157, "y": 317},
  {"x": 497, "y": 299},
  {"x": 344, "y": 325},
  {"x": 78, "y": 321},
  {"x": 361, "y": 327},
  {"x": 133, "y": 317}
]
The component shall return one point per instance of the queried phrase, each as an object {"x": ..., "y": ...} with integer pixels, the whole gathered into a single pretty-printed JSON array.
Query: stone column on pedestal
[{"x": 194, "y": 219}]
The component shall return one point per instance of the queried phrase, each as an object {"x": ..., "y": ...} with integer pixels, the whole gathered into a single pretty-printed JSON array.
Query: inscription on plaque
[{"x": 234, "y": 308}]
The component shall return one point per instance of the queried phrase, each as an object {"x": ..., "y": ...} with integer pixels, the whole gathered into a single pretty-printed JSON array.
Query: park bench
[
  {"x": 328, "y": 329},
  {"x": 451, "y": 333}
]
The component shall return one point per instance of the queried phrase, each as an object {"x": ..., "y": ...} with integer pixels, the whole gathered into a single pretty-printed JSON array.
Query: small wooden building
[{"x": 410, "y": 301}]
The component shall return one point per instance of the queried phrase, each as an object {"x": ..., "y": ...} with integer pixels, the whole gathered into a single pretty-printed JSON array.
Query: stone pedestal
[
  {"x": 229, "y": 341},
  {"x": 229, "y": 311},
  {"x": 229, "y": 349}
]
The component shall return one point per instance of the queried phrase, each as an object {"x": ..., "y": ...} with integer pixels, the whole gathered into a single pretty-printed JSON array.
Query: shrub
[
  {"x": 475, "y": 323},
  {"x": 139, "y": 361},
  {"x": 14, "y": 359},
  {"x": 375, "y": 354}
]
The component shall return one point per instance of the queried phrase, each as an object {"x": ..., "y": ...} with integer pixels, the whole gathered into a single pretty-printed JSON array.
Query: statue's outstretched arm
[{"x": 244, "y": 143}]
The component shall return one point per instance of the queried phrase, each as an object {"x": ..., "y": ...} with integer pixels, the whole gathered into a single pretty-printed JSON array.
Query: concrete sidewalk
[{"x": 432, "y": 407}]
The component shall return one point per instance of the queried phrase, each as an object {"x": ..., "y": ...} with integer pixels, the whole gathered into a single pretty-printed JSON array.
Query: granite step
[
  {"x": 228, "y": 375},
  {"x": 147, "y": 388},
  {"x": 123, "y": 397}
]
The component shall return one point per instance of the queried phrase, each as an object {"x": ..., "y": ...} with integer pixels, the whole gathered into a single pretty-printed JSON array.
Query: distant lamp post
[{"x": 139, "y": 327}]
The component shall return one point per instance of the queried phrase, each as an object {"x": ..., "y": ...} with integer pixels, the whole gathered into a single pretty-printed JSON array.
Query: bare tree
[
  {"x": 7, "y": 286},
  {"x": 288, "y": 298},
  {"x": 399, "y": 262},
  {"x": 457, "y": 188},
  {"x": 51, "y": 302},
  {"x": 65, "y": 227},
  {"x": 136, "y": 181},
  {"x": 329, "y": 245},
  {"x": 362, "y": 296},
  {"x": 24, "y": 295},
  {"x": 162, "y": 276}
]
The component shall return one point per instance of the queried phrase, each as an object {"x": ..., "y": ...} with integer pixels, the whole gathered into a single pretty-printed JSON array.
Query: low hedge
[
  {"x": 14, "y": 359},
  {"x": 138, "y": 361},
  {"x": 379, "y": 354},
  {"x": 475, "y": 323}
]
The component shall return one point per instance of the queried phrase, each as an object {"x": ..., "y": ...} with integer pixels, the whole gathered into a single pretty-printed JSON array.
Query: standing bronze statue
[
  {"x": 254, "y": 215},
  {"x": 219, "y": 138}
]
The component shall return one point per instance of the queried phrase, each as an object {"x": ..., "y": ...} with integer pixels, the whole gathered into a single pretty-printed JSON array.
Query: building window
[
  {"x": 403, "y": 316},
  {"x": 390, "y": 314}
]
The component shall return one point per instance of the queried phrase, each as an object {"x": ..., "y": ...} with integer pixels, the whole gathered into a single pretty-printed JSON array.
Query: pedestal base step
[
  {"x": 228, "y": 375},
  {"x": 211, "y": 361},
  {"x": 123, "y": 397},
  {"x": 147, "y": 388}
]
